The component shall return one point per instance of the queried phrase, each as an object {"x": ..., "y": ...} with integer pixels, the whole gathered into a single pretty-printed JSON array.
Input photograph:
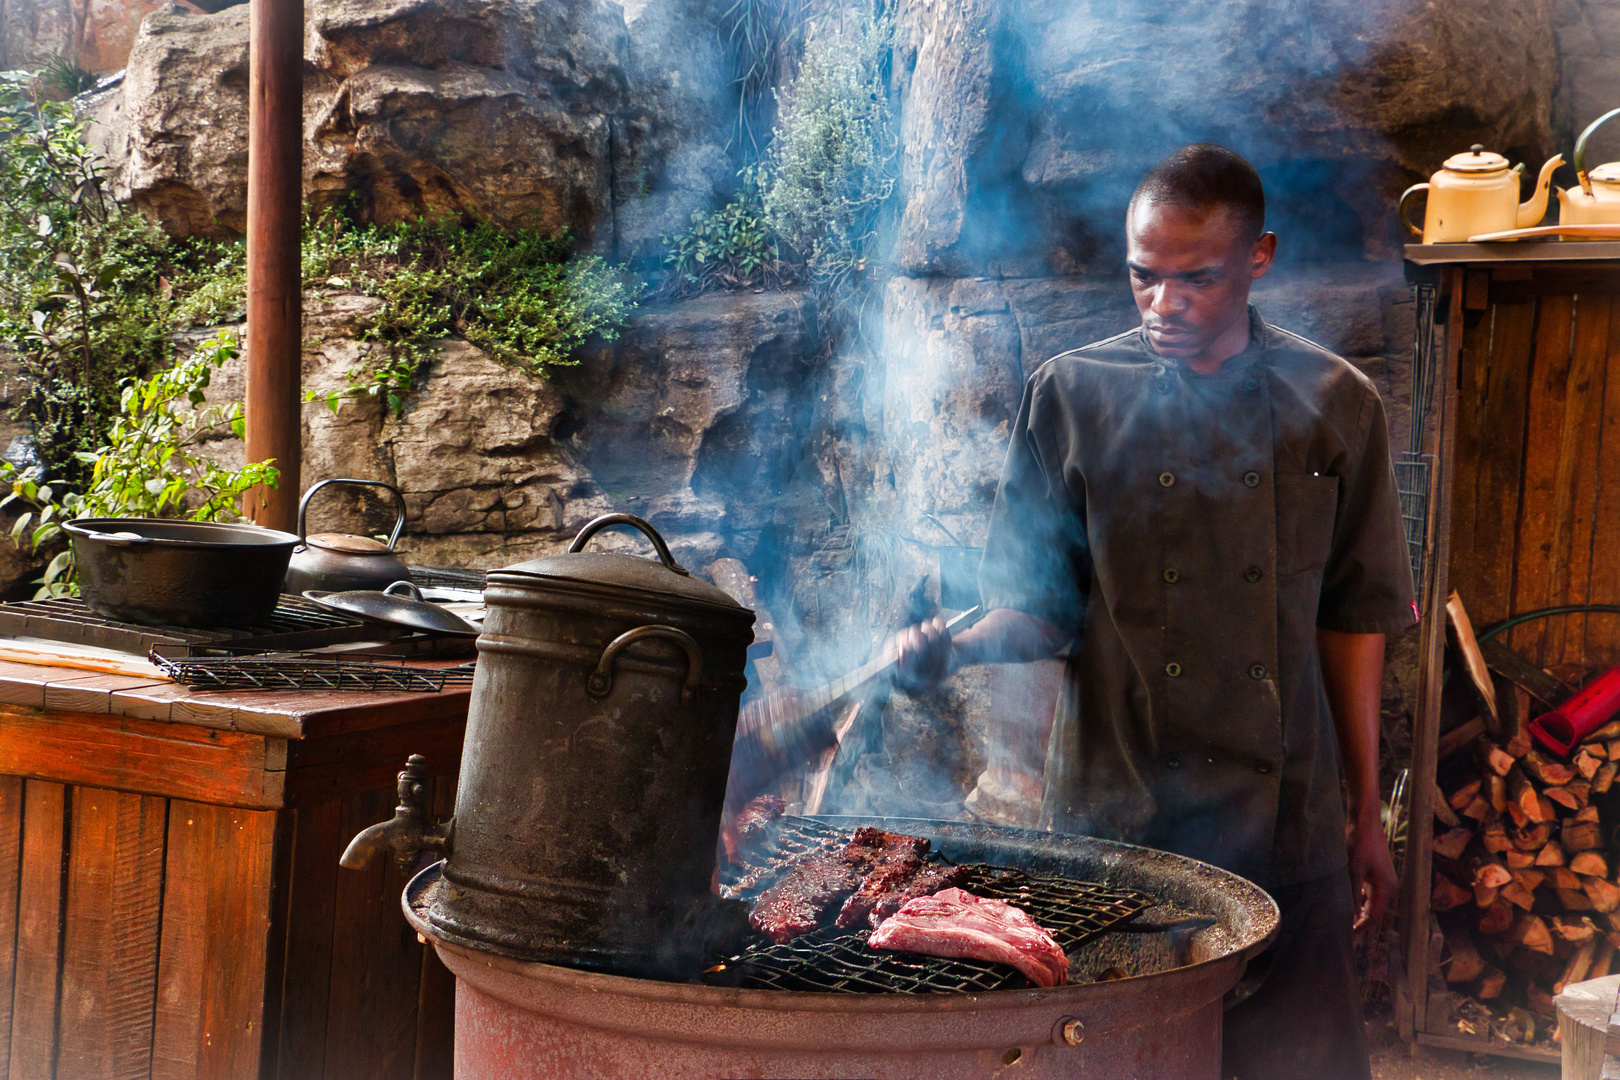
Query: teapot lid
[
  {"x": 1607, "y": 173},
  {"x": 1476, "y": 160},
  {"x": 662, "y": 576}
]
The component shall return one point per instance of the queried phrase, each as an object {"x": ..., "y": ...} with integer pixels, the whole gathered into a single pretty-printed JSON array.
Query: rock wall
[
  {"x": 684, "y": 420},
  {"x": 562, "y": 117}
]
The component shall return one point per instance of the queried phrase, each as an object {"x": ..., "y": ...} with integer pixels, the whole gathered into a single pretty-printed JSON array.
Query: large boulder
[
  {"x": 528, "y": 113},
  {"x": 1338, "y": 105}
]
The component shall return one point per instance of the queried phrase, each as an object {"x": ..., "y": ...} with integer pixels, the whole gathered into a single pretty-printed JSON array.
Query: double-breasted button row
[
  {"x": 1256, "y": 671},
  {"x": 1168, "y": 479},
  {"x": 1251, "y": 575}
]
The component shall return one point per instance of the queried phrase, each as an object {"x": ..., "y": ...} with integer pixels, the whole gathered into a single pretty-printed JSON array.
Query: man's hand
[
  {"x": 927, "y": 654},
  {"x": 1372, "y": 871},
  {"x": 1353, "y": 674},
  {"x": 923, "y": 654}
]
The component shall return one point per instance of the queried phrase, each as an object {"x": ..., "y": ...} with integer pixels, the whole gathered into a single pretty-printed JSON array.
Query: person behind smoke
[{"x": 1203, "y": 510}]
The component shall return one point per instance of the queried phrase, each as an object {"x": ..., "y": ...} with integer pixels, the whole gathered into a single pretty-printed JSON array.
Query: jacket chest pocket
[{"x": 1306, "y": 508}]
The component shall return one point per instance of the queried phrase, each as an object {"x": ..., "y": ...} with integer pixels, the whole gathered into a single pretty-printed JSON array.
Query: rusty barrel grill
[{"x": 574, "y": 899}]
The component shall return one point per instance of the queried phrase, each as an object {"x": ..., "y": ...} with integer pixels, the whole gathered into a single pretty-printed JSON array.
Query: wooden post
[{"x": 274, "y": 220}]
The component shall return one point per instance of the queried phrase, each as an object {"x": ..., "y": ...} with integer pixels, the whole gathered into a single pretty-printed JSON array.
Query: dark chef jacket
[{"x": 1191, "y": 532}]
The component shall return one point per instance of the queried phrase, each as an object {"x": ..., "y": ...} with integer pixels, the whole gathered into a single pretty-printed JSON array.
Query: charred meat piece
[
  {"x": 817, "y": 884},
  {"x": 887, "y": 888},
  {"x": 872, "y": 848},
  {"x": 752, "y": 821},
  {"x": 953, "y": 923},
  {"x": 798, "y": 903}
]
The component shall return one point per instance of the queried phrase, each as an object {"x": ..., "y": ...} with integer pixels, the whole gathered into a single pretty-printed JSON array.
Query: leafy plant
[
  {"x": 83, "y": 301},
  {"x": 519, "y": 295},
  {"x": 831, "y": 170},
  {"x": 152, "y": 464},
  {"x": 733, "y": 247},
  {"x": 759, "y": 38},
  {"x": 63, "y": 75}
]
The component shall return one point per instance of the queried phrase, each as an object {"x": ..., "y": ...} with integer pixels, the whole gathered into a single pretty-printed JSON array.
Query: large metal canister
[{"x": 595, "y": 761}]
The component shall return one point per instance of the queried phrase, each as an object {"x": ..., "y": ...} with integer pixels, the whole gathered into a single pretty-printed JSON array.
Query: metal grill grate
[
  {"x": 838, "y": 961},
  {"x": 447, "y": 577},
  {"x": 306, "y": 673},
  {"x": 295, "y": 624},
  {"x": 1412, "y": 484}
]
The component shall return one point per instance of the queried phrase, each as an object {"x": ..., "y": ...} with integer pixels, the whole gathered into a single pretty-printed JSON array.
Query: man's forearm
[
  {"x": 1353, "y": 675},
  {"x": 1005, "y": 636}
]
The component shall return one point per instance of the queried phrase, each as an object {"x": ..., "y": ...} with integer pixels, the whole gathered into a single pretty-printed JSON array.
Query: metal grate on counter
[
  {"x": 307, "y": 673},
  {"x": 830, "y": 960},
  {"x": 295, "y": 624}
]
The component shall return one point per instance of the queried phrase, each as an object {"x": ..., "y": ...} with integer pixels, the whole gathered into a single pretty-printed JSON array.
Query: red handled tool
[{"x": 1595, "y": 705}]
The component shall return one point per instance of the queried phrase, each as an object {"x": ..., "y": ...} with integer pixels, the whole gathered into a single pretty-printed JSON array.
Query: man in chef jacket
[{"x": 1202, "y": 509}]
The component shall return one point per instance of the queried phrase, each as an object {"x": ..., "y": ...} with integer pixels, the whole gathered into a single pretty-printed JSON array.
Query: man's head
[{"x": 1195, "y": 241}]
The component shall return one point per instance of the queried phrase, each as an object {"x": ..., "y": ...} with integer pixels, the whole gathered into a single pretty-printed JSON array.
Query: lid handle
[{"x": 606, "y": 520}]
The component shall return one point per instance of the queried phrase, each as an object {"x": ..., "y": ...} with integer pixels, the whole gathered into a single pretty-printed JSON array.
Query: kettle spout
[
  {"x": 1535, "y": 208},
  {"x": 408, "y": 834}
]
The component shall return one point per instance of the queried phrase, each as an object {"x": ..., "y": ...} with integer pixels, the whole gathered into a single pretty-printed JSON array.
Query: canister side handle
[
  {"x": 600, "y": 682},
  {"x": 598, "y": 524}
]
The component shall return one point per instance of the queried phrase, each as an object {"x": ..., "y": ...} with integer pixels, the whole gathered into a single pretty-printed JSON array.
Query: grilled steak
[
  {"x": 797, "y": 904},
  {"x": 888, "y": 887},
  {"x": 954, "y": 923},
  {"x": 817, "y": 884}
]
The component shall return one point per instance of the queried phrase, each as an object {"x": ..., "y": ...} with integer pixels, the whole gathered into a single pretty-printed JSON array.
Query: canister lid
[
  {"x": 1476, "y": 160},
  {"x": 661, "y": 575}
]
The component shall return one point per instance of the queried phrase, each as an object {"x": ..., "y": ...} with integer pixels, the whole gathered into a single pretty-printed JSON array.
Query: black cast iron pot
[{"x": 179, "y": 573}]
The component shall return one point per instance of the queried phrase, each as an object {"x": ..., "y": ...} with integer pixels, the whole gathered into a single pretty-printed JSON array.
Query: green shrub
[
  {"x": 831, "y": 169},
  {"x": 517, "y": 294},
  {"x": 731, "y": 248},
  {"x": 151, "y": 464}
]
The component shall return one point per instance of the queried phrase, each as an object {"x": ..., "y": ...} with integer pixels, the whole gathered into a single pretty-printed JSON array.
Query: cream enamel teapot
[
  {"x": 1597, "y": 200},
  {"x": 1476, "y": 193}
]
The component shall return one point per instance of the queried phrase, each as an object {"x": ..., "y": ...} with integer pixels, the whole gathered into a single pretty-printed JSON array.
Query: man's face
[{"x": 1190, "y": 273}]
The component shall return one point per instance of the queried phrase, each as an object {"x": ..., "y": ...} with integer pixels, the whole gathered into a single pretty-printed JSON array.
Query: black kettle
[{"x": 341, "y": 562}]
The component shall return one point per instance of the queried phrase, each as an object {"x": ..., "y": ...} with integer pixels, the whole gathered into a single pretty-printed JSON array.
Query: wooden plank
[
  {"x": 1489, "y": 433},
  {"x": 144, "y": 756},
  {"x": 376, "y": 963},
  {"x": 320, "y": 769},
  {"x": 91, "y": 693},
  {"x": 1602, "y": 644},
  {"x": 11, "y": 826},
  {"x": 34, "y": 999},
  {"x": 1575, "y": 486},
  {"x": 1521, "y": 672},
  {"x": 318, "y": 840},
  {"x": 216, "y": 921},
  {"x": 1532, "y": 565},
  {"x": 1418, "y": 870},
  {"x": 110, "y": 941}
]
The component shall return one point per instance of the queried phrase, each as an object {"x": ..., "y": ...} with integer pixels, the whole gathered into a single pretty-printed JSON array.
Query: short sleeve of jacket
[
  {"x": 1035, "y": 558},
  {"x": 1367, "y": 583}
]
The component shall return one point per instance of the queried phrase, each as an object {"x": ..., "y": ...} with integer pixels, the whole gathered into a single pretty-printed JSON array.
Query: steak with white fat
[{"x": 957, "y": 924}]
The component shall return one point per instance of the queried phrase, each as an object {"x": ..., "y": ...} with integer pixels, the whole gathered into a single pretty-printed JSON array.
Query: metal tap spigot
[{"x": 408, "y": 834}]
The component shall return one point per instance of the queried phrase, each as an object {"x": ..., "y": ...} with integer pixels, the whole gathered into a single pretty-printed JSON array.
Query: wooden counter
[{"x": 171, "y": 904}]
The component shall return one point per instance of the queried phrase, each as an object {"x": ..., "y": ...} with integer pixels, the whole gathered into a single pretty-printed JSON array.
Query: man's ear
[{"x": 1260, "y": 259}]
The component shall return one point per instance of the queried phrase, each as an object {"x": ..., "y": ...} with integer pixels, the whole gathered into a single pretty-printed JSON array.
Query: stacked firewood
[{"x": 1526, "y": 893}]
